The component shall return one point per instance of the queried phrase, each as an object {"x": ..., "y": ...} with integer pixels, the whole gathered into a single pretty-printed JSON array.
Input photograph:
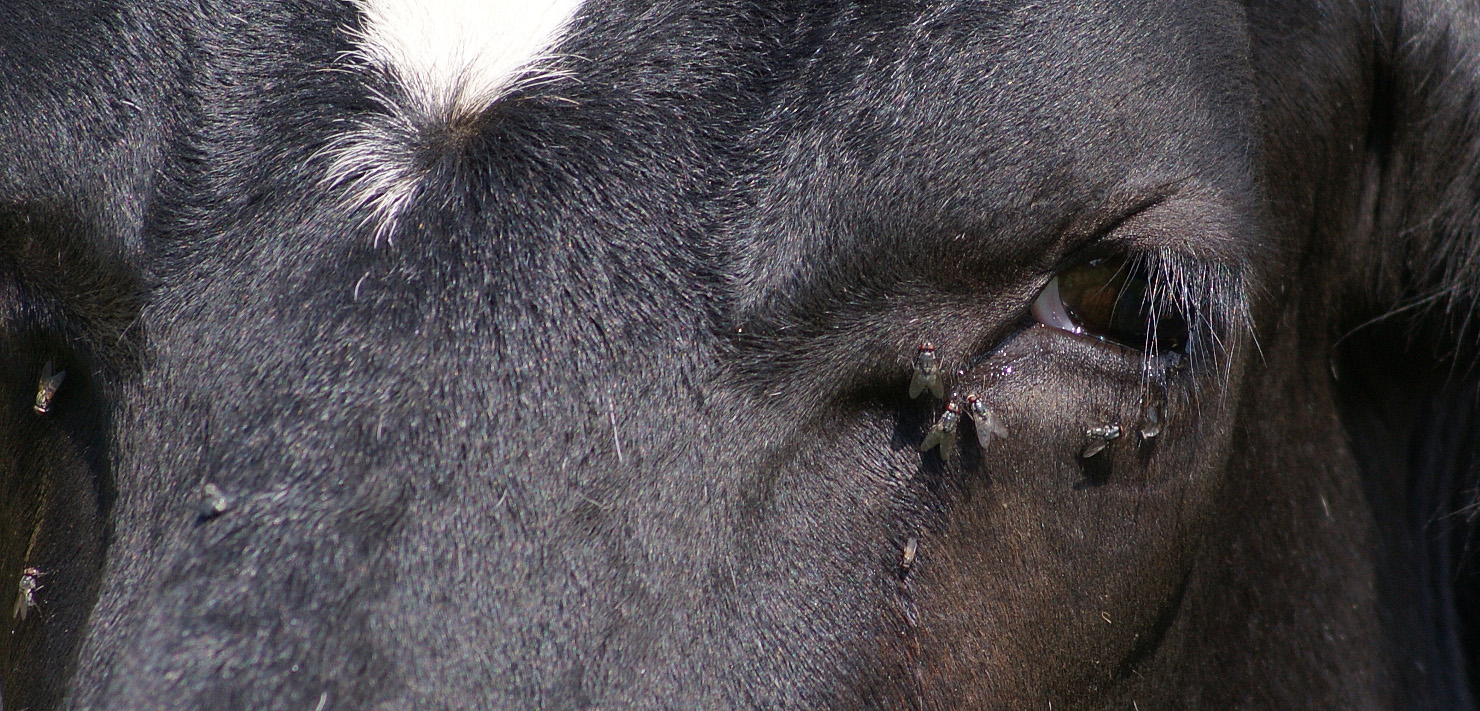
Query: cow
[{"x": 744, "y": 354}]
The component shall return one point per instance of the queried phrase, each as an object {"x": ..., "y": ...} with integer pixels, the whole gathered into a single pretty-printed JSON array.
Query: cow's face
[{"x": 951, "y": 355}]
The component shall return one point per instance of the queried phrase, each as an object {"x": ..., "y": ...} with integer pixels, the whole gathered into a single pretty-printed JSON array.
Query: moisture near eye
[{"x": 1111, "y": 298}]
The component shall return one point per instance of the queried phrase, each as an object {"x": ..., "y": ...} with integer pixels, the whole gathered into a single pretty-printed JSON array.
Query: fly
[
  {"x": 46, "y": 388},
  {"x": 927, "y": 373},
  {"x": 907, "y": 560},
  {"x": 30, "y": 583},
  {"x": 988, "y": 425},
  {"x": 214, "y": 502},
  {"x": 943, "y": 434},
  {"x": 1099, "y": 438}
]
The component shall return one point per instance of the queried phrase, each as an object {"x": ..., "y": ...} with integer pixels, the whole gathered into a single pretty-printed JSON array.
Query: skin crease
[{"x": 617, "y": 414}]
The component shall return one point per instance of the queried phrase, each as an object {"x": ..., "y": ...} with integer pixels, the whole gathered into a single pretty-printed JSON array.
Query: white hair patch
[
  {"x": 459, "y": 56},
  {"x": 452, "y": 59}
]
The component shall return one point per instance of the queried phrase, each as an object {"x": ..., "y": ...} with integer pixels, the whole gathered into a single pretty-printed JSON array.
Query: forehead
[
  {"x": 1023, "y": 78},
  {"x": 1005, "y": 121}
]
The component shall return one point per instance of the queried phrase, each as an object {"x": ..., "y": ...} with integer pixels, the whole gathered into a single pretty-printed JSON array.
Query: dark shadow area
[
  {"x": 60, "y": 307},
  {"x": 1412, "y": 416}
]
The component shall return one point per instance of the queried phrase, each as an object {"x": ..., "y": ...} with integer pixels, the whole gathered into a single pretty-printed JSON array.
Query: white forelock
[
  {"x": 452, "y": 59},
  {"x": 458, "y": 56}
]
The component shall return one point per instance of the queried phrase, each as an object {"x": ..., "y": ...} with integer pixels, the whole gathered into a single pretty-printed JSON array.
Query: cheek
[{"x": 1053, "y": 568}]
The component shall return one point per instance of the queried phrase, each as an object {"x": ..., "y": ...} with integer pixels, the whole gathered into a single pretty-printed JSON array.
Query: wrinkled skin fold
[{"x": 623, "y": 410}]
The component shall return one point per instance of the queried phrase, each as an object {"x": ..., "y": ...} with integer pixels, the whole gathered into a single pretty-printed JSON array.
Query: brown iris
[{"x": 1110, "y": 298}]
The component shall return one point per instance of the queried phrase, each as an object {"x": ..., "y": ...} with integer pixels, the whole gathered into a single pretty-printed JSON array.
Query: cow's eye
[{"x": 1111, "y": 298}]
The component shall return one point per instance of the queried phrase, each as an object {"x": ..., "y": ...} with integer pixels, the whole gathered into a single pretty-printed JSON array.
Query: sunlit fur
[
  {"x": 622, "y": 420},
  {"x": 447, "y": 61}
]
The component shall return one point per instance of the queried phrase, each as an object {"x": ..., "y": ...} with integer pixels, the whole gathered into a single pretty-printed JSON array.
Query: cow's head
[{"x": 634, "y": 355}]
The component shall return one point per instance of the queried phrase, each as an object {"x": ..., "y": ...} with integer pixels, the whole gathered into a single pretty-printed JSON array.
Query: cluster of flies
[
  {"x": 927, "y": 377},
  {"x": 988, "y": 424}
]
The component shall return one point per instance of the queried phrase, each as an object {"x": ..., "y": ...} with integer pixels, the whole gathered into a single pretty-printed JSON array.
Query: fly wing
[
  {"x": 1094, "y": 447},
  {"x": 933, "y": 440},
  {"x": 945, "y": 439},
  {"x": 922, "y": 381},
  {"x": 988, "y": 425},
  {"x": 917, "y": 384}
]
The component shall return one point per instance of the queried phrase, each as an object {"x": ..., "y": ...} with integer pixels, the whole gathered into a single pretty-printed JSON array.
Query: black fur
[{"x": 615, "y": 416}]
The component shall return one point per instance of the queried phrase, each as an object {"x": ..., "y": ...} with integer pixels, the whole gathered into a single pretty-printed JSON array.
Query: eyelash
[
  {"x": 1112, "y": 299},
  {"x": 1155, "y": 302}
]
